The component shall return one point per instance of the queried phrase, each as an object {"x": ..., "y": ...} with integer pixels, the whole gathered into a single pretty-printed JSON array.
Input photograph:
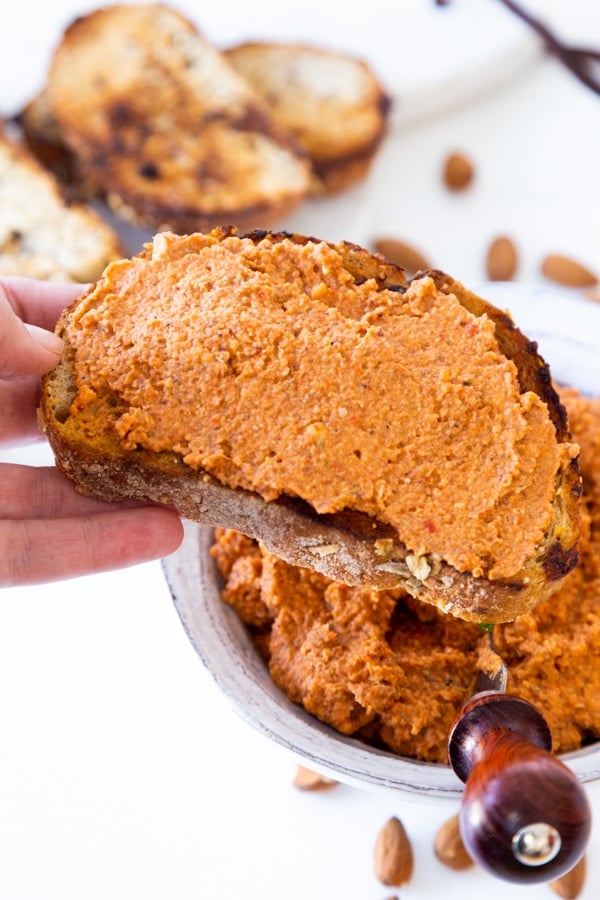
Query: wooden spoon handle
[{"x": 524, "y": 815}]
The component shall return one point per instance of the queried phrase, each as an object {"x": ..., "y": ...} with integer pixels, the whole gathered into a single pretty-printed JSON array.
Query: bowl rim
[{"x": 225, "y": 648}]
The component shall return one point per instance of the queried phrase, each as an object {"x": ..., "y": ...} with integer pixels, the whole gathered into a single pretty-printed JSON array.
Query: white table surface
[{"x": 123, "y": 773}]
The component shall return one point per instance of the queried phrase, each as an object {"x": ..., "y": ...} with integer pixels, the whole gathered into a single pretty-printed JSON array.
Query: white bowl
[{"x": 567, "y": 329}]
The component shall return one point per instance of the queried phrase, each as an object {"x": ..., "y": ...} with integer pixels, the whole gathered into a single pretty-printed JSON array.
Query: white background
[{"x": 123, "y": 773}]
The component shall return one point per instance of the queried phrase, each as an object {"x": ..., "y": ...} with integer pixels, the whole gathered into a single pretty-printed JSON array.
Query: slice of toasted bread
[
  {"x": 165, "y": 128},
  {"x": 332, "y": 102},
  {"x": 41, "y": 234},
  {"x": 101, "y": 430}
]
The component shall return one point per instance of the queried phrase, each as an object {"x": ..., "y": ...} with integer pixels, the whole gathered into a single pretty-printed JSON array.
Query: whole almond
[
  {"x": 567, "y": 271},
  {"x": 449, "y": 848},
  {"x": 570, "y": 885},
  {"x": 458, "y": 172},
  {"x": 502, "y": 260},
  {"x": 393, "y": 856},
  {"x": 402, "y": 254},
  {"x": 307, "y": 780}
]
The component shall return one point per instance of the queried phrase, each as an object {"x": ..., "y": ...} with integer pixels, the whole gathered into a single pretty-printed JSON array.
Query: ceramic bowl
[{"x": 567, "y": 329}]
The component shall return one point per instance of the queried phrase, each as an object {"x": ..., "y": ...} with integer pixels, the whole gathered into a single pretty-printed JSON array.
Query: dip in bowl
[{"x": 567, "y": 329}]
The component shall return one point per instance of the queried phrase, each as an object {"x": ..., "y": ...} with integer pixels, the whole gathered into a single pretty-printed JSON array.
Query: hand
[{"x": 47, "y": 530}]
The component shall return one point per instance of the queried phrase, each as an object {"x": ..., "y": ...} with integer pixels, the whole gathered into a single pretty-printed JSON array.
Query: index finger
[{"x": 39, "y": 302}]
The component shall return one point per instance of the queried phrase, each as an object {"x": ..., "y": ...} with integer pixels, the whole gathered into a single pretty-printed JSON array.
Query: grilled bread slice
[
  {"x": 42, "y": 235},
  {"x": 332, "y": 102},
  {"x": 165, "y": 128},
  {"x": 303, "y": 394}
]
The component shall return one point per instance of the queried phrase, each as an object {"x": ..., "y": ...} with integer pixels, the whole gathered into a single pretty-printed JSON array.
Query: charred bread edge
[{"x": 347, "y": 545}]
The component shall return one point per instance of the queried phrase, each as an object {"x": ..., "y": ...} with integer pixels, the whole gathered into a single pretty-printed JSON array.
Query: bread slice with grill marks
[
  {"x": 165, "y": 129},
  {"x": 332, "y": 102}
]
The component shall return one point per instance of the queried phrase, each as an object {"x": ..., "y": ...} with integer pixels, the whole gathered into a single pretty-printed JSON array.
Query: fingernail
[{"x": 46, "y": 339}]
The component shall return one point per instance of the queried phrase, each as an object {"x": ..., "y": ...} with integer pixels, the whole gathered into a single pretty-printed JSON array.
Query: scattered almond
[
  {"x": 402, "y": 254},
  {"x": 567, "y": 271},
  {"x": 393, "y": 856},
  {"x": 458, "y": 172},
  {"x": 307, "y": 780},
  {"x": 449, "y": 848},
  {"x": 570, "y": 885},
  {"x": 502, "y": 260}
]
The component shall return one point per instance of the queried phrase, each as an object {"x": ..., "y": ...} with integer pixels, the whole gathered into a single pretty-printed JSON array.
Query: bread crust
[{"x": 348, "y": 546}]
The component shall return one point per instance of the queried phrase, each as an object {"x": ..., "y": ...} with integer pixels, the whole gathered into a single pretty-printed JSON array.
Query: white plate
[{"x": 568, "y": 331}]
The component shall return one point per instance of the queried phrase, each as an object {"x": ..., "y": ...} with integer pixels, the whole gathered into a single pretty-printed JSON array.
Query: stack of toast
[{"x": 175, "y": 134}]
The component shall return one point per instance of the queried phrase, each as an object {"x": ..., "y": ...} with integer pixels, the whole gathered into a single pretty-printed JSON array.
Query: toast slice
[
  {"x": 167, "y": 131},
  {"x": 42, "y": 235},
  {"x": 304, "y": 394},
  {"x": 333, "y": 103}
]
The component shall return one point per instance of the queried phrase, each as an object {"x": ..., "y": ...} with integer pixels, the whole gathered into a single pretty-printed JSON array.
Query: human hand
[{"x": 48, "y": 531}]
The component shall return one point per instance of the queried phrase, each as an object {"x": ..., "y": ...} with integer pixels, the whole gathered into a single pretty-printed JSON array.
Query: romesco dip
[
  {"x": 395, "y": 672},
  {"x": 271, "y": 367}
]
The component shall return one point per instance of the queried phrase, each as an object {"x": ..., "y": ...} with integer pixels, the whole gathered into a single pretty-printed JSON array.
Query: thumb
[{"x": 25, "y": 349}]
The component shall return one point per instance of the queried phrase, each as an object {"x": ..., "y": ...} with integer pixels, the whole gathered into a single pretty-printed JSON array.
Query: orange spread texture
[
  {"x": 396, "y": 672},
  {"x": 269, "y": 367}
]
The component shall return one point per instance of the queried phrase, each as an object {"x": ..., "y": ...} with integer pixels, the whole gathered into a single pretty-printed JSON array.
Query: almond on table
[
  {"x": 449, "y": 847},
  {"x": 393, "y": 860},
  {"x": 568, "y": 271},
  {"x": 402, "y": 254},
  {"x": 501, "y": 260},
  {"x": 570, "y": 886},
  {"x": 458, "y": 172},
  {"x": 307, "y": 780}
]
